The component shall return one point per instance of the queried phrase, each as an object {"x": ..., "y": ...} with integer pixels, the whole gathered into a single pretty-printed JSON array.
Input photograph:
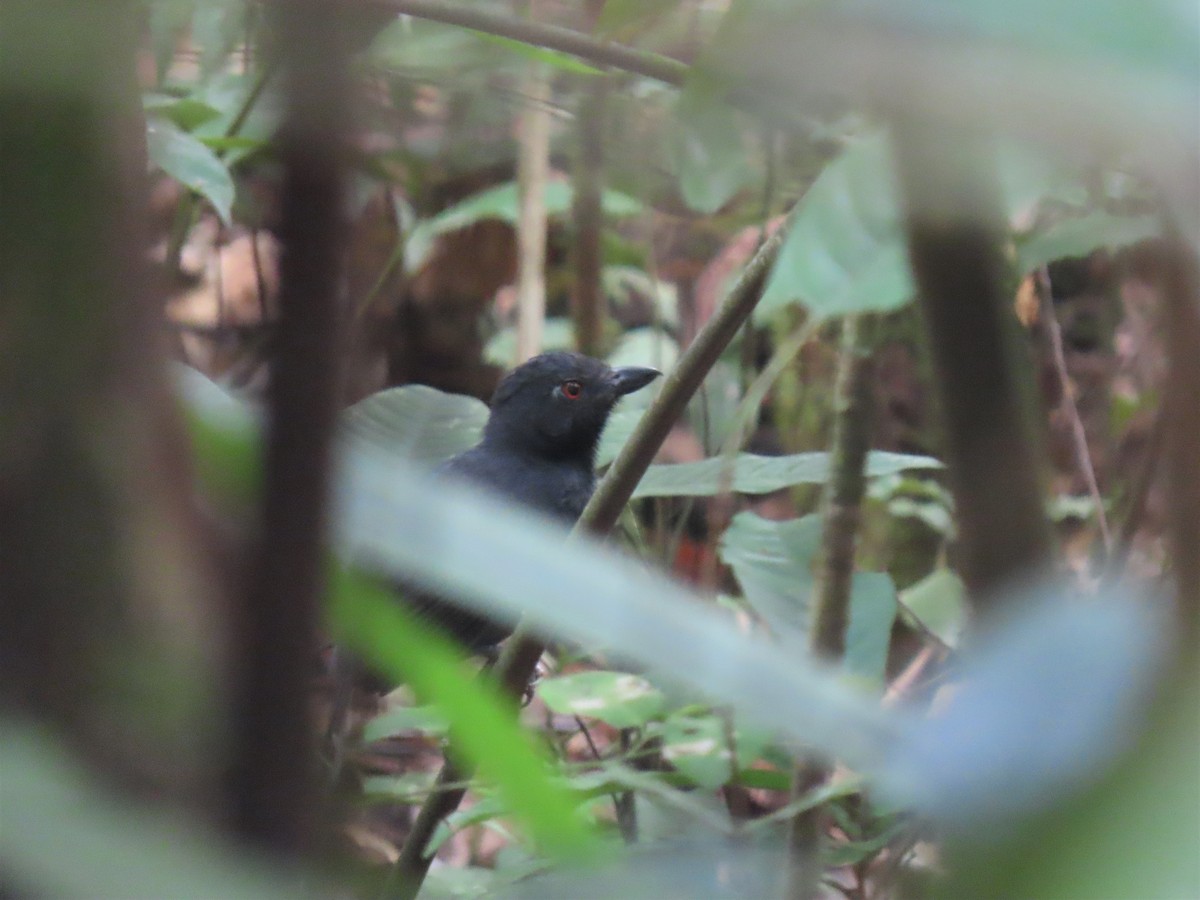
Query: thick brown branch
[
  {"x": 954, "y": 241},
  {"x": 273, "y": 776}
]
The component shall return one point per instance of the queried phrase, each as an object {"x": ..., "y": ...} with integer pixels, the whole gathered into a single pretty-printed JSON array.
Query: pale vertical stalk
[
  {"x": 533, "y": 164},
  {"x": 841, "y": 512}
]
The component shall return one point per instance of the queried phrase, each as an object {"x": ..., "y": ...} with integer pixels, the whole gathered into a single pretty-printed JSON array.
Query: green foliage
[
  {"x": 501, "y": 203},
  {"x": 710, "y": 153},
  {"x": 845, "y": 253},
  {"x": 186, "y": 159},
  {"x": 621, "y": 700},
  {"x": 483, "y": 727}
]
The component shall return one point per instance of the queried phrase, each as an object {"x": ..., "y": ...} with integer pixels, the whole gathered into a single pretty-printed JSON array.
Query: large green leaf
[
  {"x": 186, "y": 159},
  {"x": 1082, "y": 235},
  {"x": 67, "y": 835},
  {"x": 484, "y": 727},
  {"x": 506, "y": 561},
  {"x": 417, "y": 422},
  {"x": 754, "y": 474},
  {"x": 709, "y": 147},
  {"x": 845, "y": 252},
  {"x": 939, "y": 603},
  {"x": 869, "y": 631},
  {"x": 772, "y": 562}
]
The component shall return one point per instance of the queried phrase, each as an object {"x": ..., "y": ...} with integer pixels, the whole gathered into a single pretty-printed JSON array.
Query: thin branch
[
  {"x": 533, "y": 168},
  {"x": 1083, "y": 457},
  {"x": 553, "y": 37},
  {"x": 273, "y": 783},
  {"x": 523, "y": 649}
]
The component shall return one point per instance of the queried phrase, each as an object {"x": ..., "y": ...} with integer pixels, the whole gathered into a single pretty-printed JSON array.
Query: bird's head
[{"x": 555, "y": 405}]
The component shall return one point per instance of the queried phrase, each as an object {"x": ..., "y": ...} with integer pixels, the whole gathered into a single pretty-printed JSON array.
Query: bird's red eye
[{"x": 572, "y": 390}]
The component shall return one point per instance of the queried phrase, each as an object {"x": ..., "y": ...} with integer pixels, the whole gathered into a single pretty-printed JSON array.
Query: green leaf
[
  {"x": 621, "y": 700},
  {"x": 501, "y": 203},
  {"x": 698, "y": 747},
  {"x": 483, "y": 724},
  {"x": 116, "y": 849},
  {"x": 772, "y": 562},
  {"x": 938, "y": 603},
  {"x": 754, "y": 474},
  {"x": 417, "y": 422},
  {"x": 1080, "y": 236},
  {"x": 869, "y": 631},
  {"x": 186, "y": 112},
  {"x": 558, "y": 333},
  {"x": 845, "y": 253},
  {"x": 226, "y": 440},
  {"x": 1045, "y": 706},
  {"x": 185, "y": 158},
  {"x": 505, "y": 561},
  {"x": 709, "y": 148},
  {"x": 401, "y": 719}
]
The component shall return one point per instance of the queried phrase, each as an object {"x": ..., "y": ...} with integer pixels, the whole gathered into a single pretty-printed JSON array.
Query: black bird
[{"x": 538, "y": 449}]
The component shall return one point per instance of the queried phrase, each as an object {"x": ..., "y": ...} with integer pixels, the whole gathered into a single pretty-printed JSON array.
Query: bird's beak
[{"x": 628, "y": 379}]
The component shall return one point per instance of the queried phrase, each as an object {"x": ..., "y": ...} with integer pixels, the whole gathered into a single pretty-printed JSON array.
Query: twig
[
  {"x": 1139, "y": 495},
  {"x": 1083, "y": 457},
  {"x": 523, "y": 649},
  {"x": 553, "y": 37}
]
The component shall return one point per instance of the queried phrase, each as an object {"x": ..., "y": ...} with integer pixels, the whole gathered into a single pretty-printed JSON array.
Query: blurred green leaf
[
  {"x": 1045, "y": 706},
  {"x": 621, "y": 700},
  {"x": 938, "y": 602},
  {"x": 698, "y": 747},
  {"x": 709, "y": 146},
  {"x": 226, "y": 440},
  {"x": 185, "y": 158},
  {"x": 483, "y": 723},
  {"x": 558, "y": 333},
  {"x": 401, "y": 719},
  {"x": 754, "y": 474},
  {"x": 1081, "y": 236},
  {"x": 66, "y": 835},
  {"x": 186, "y": 112},
  {"x": 445, "y": 537},
  {"x": 869, "y": 631}
]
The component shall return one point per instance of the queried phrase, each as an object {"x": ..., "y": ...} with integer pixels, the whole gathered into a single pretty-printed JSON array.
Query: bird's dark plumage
[{"x": 538, "y": 449}]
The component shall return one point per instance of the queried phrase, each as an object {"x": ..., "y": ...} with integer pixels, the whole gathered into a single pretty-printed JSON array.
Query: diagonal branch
[{"x": 553, "y": 37}]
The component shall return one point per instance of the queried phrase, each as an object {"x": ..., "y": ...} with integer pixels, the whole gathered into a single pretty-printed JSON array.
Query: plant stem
[
  {"x": 553, "y": 37},
  {"x": 587, "y": 213},
  {"x": 533, "y": 166},
  {"x": 840, "y": 517}
]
